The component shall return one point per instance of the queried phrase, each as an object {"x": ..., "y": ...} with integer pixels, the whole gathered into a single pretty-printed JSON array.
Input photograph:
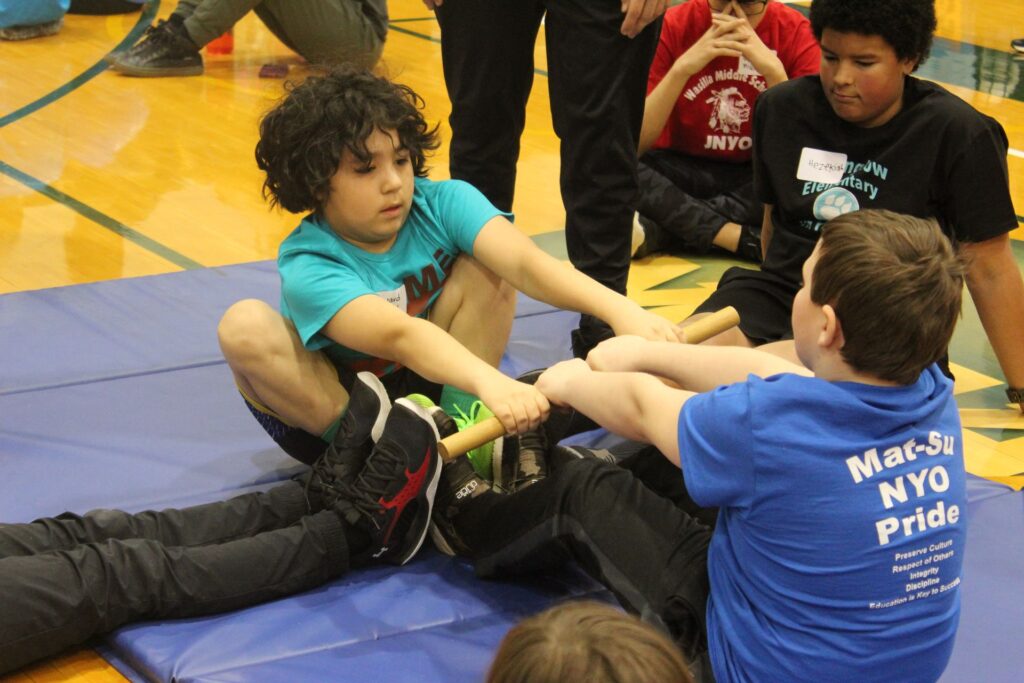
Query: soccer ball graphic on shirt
[{"x": 833, "y": 202}]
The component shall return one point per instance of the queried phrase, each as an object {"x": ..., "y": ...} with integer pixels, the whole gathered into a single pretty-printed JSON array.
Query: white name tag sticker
[
  {"x": 397, "y": 298},
  {"x": 819, "y": 166}
]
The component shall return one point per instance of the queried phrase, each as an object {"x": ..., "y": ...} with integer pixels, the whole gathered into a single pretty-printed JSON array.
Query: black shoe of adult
[
  {"x": 1018, "y": 44},
  {"x": 165, "y": 50},
  {"x": 361, "y": 426}
]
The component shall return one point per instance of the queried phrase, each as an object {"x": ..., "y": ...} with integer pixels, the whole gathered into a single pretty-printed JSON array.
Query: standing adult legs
[
  {"x": 487, "y": 54},
  {"x": 598, "y": 80}
]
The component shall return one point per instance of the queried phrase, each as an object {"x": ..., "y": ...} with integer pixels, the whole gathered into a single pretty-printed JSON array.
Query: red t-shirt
[{"x": 712, "y": 117}]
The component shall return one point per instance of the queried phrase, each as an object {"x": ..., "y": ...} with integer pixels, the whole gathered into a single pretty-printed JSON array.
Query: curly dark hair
[
  {"x": 303, "y": 137},
  {"x": 906, "y": 25}
]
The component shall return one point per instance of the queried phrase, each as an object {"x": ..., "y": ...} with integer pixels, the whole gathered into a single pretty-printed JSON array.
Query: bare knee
[
  {"x": 479, "y": 282},
  {"x": 249, "y": 330},
  {"x": 472, "y": 286}
]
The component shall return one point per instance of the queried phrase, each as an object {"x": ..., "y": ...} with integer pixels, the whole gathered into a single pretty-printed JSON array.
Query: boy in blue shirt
[
  {"x": 411, "y": 279},
  {"x": 839, "y": 540}
]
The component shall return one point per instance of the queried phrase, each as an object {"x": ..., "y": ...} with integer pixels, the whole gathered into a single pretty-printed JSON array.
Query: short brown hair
[
  {"x": 895, "y": 284},
  {"x": 589, "y": 642}
]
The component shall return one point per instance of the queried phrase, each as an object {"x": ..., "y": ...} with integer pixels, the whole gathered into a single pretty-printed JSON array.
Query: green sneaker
[{"x": 482, "y": 458}]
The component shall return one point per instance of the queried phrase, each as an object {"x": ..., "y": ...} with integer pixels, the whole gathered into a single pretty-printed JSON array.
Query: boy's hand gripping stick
[{"x": 491, "y": 428}]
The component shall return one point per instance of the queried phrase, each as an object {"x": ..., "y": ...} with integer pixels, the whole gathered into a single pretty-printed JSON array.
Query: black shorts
[
  {"x": 306, "y": 447},
  {"x": 763, "y": 300}
]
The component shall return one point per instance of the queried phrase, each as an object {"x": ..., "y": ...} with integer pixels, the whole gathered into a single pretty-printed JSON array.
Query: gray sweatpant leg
[{"x": 322, "y": 31}]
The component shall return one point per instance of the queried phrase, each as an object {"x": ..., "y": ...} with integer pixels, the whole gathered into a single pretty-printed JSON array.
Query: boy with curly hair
[
  {"x": 867, "y": 134},
  {"x": 389, "y": 272}
]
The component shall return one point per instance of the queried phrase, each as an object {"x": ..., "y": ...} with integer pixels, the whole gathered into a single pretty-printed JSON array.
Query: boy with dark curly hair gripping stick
[
  {"x": 839, "y": 541},
  {"x": 867, "y": 134},
  {"x": 411, "y": 279}
]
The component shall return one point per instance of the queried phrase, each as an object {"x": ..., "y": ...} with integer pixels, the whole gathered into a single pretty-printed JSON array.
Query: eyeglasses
[{"x": 751, "y": 9}]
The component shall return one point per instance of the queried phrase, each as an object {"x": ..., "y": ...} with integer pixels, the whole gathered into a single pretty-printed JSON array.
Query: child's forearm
[
  {"x": 659, "y": 104},
  {"x": 633, "y": 405},
  {"x": 437, "y": 356},
  {"x": 692, "y": 367},
  {"x": 995, "y": 284}
]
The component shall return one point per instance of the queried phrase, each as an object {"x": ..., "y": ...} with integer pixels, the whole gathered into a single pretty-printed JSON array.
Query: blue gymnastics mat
[{"x": 114, "y": 395}]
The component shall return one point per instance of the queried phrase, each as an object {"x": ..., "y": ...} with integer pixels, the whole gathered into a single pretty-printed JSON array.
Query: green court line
[
  {"x": 410, "y": 19},
  {"x": 145, "y": 19},
  {"x": 99, "y": 218},
  {"x": 415, "y": 34}
]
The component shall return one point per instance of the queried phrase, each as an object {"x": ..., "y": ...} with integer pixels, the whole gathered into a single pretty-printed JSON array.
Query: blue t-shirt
[
  {"x": 838, "y": 550},
  {"x": 320, "y": 272}
]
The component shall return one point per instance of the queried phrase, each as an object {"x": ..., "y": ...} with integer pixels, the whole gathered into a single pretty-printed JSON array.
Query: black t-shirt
[{"x": 937, "y": 158}]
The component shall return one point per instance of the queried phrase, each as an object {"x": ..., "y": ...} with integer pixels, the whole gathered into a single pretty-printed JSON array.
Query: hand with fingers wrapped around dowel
[{"x": 488, "y": 430}]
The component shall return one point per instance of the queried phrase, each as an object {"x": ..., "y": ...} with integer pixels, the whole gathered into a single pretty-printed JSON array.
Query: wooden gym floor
[{"x": 105, "y": 177}]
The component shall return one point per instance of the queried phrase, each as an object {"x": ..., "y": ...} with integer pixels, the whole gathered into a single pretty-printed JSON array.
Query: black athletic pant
[
  {"x": 66, "y": 579},
  {"x": 641, "y": 545},
  {"x": 597, "y": 80},
  {"x": 690, "y": 199}
]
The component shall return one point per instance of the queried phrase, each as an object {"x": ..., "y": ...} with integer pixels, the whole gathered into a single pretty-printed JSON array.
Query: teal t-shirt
[{"x": 320, "y": 272}]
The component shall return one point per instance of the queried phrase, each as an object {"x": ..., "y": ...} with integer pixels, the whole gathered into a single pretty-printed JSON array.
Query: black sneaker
[
  {"x": 1018, "y": 44},
  {"x": 459, "y": 484},
  {"x": 521, "y": 462},
  {"x": 393, "y": 495},
  {"x": 165, "y": 50},
  {"x": 360, "y": 428}
]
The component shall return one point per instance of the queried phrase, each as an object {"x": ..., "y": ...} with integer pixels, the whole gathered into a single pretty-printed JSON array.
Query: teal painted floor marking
[{"x": 100, "y": 218}]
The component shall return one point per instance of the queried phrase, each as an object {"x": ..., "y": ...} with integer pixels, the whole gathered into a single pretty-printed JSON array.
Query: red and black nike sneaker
[
  {"x": 393, "y": 496},
  {"x": 361, "y": 426}
]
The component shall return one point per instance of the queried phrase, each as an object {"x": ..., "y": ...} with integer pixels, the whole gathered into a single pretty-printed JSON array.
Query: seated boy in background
[
  {"x": 867, "y": 134},
  {"x": 696, "y": 183},
  {"x": 838, "y": 547},
  {"x": 411, "y": 279}
]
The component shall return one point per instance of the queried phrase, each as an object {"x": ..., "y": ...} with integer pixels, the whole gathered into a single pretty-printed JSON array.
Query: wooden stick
[{"x": 491, "y": 428}]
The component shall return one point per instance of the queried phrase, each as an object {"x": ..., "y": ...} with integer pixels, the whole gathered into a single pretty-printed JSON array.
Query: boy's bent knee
[
  {"x": 248, "y": 327},
  {"x": 473, "y": 287}
]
